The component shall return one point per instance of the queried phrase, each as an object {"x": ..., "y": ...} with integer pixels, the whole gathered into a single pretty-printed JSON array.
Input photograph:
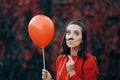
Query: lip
[{"x": 69, "y": 42}]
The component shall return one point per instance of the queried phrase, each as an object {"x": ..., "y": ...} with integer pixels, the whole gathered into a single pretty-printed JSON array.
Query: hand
[
  {"x": 46, "y": 75},
  {"x": 70, "y": 66}
]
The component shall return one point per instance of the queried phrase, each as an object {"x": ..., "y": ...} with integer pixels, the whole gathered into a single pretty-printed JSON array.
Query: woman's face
[{"x": 73, "y": 36}]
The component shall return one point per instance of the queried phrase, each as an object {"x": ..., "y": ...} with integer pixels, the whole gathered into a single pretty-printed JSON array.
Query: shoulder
[
  {"x": 90, "y": 57},
  {"x": 60, "y": 57},
  {"x": 91, "y": 63}
]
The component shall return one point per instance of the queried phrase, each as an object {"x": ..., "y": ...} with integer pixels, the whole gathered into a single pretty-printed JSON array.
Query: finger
[
  {"x": 70, "y": 57},
  {"x": 44, "y": 75},
  {"x": 44, "y": 70}
]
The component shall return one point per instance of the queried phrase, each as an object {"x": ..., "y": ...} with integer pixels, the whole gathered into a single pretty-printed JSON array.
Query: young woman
[{"x": 75, "y": 63}]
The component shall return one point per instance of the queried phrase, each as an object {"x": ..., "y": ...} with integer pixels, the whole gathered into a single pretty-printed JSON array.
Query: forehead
[{"x": 74, "y": 27}]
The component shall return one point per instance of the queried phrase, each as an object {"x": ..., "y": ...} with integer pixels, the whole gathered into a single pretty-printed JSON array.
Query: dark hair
[{"x": 82, "y": 50}]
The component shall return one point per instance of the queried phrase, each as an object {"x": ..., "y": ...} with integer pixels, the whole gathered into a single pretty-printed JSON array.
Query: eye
[
  {"x": 68, "y": 32},
  {"x": 76, "y": 33}
]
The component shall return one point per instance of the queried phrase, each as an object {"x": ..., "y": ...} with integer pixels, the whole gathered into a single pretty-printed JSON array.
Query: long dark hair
[{"x": 82, "y": 49}]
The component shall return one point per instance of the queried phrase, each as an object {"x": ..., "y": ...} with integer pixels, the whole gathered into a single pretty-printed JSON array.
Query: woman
[{"x": 75, "y": 63}]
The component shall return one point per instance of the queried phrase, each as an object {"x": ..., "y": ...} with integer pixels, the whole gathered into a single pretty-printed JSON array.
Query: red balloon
[{"x": 41, "y": 30}]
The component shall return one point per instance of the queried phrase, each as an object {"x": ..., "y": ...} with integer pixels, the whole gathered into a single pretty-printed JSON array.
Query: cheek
[{"x": 78, "y": 40}]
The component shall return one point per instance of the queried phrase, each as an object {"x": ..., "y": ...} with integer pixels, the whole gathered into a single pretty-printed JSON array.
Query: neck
[{"x": 74, "y": 51}]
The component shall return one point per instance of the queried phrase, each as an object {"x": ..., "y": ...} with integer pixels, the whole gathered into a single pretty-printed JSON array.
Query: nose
[{"x": 70, "y": 37}]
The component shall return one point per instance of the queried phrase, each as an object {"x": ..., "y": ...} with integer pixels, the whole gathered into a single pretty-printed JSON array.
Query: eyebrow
[
  {"x": 77, "y": 30},
  {"x": 74, "y": 30}
]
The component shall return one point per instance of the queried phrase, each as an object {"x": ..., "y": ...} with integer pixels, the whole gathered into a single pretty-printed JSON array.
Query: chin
[{"x": 71, "y": 46}]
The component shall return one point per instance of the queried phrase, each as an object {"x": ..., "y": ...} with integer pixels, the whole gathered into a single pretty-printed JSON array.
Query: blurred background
[{"x": 21, "y": 59}]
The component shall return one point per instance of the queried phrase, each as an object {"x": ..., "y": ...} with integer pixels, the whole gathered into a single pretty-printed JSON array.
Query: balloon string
[{"x": 43, "y": 58}]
